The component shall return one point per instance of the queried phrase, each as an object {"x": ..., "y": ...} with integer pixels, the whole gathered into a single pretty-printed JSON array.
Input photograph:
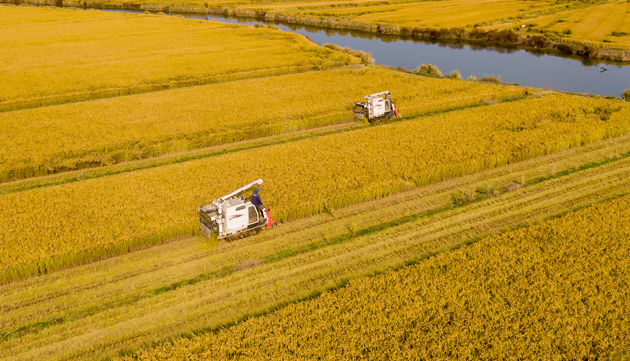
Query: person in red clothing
[{"x": 395, "y": 111}]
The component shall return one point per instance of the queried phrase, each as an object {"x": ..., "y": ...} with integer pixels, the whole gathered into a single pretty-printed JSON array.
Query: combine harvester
[
  {"x": 233, "y": 216},
  {"x": 376, "y": 108}
]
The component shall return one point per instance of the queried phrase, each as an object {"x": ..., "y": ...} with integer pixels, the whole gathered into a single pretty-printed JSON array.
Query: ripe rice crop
[
  {"x": 191, "y": 284},
  {"x": 436, "y": 14},
  {"x": 51, "y": 56},
  {"x": 557, "y": 289},
  {"x": 588, "y": 23},
  {"x": 606, "y": 26},
  {"x": 106, "y": 131},
  {"x": 51, "y": 228}
]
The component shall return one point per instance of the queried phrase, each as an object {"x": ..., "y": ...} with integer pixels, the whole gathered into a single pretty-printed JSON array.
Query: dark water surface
[{"x": 511, "y": 65}]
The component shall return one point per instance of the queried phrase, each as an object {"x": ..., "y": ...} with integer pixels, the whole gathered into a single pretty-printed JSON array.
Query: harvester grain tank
[
  {"x": 376, "y": 108},
  {"x": 233, "y": 216}
]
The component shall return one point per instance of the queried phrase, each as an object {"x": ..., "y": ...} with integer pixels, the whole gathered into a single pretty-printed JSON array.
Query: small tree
[
  {"x": 455, "y": 75},
  {"x": 626, "y": 95},
  {"x": 490, "y": 79},
  {"x": 429, "y": 70}
]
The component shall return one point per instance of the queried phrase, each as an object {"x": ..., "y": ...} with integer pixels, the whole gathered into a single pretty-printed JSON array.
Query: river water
[{"x": 510, "y": 65}]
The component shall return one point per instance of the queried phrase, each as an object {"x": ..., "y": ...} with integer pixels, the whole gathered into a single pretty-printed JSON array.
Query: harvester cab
[
  {"x": 376, "y": 108},
  {"x": 233, "y": 216}
]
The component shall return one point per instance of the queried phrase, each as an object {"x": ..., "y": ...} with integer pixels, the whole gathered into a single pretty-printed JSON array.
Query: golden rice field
[
  {"x": 52, "y": 56},
  {"x": 100, "y": 217},
  {"x": 107, "y": 131},
  {"x": 100, "y": 252},
  {"x": 580, "y": 27},
  {"x": 401, "y": 13},
  {"x": 599, "y": 24},
  {"x": 94, "y": 311},
  {"x": 214, "y": 4},
  {"x": 596, "y": 24},
  {"x": 437, "y": 14},
  {"x": 557, "y": 289},
  {"x": 277, "y": 5},
  {"x": 605, "y": 26}
]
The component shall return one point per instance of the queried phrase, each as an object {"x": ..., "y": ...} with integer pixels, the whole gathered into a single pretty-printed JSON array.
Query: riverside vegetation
[{"x": 100, "y": 253}]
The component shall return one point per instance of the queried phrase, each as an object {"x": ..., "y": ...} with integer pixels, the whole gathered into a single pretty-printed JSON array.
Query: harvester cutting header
[
  {"x": 376, "y": 108},
  {"x": 233, "y": 215}
]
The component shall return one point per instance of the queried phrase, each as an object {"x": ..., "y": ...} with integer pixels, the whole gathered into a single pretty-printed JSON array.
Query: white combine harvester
[
  {"x": 376, "y": 108},
  {"x": 233, "y": 216}
]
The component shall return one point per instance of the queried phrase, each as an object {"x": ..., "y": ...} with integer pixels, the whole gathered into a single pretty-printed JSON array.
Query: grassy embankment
[
  {"x": 123, "y": 302},
  {"x": 558, "y": 289}
]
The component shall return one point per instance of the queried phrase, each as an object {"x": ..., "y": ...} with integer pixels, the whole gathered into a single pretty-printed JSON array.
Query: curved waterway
[{"x": 510, "y": 65}]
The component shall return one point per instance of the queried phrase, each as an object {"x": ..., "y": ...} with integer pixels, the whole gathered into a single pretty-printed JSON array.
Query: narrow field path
[{"x": 191, "y": 284}]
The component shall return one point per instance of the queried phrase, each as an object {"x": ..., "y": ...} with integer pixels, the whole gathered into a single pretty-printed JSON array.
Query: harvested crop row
[
  {"x": 102, "y": 132},
  {"x": 66, "y": 60},
  {"x": 49, "y": 229},
  {"x": 93, "y": 311},
  {"x": 529, "y": 292}
]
